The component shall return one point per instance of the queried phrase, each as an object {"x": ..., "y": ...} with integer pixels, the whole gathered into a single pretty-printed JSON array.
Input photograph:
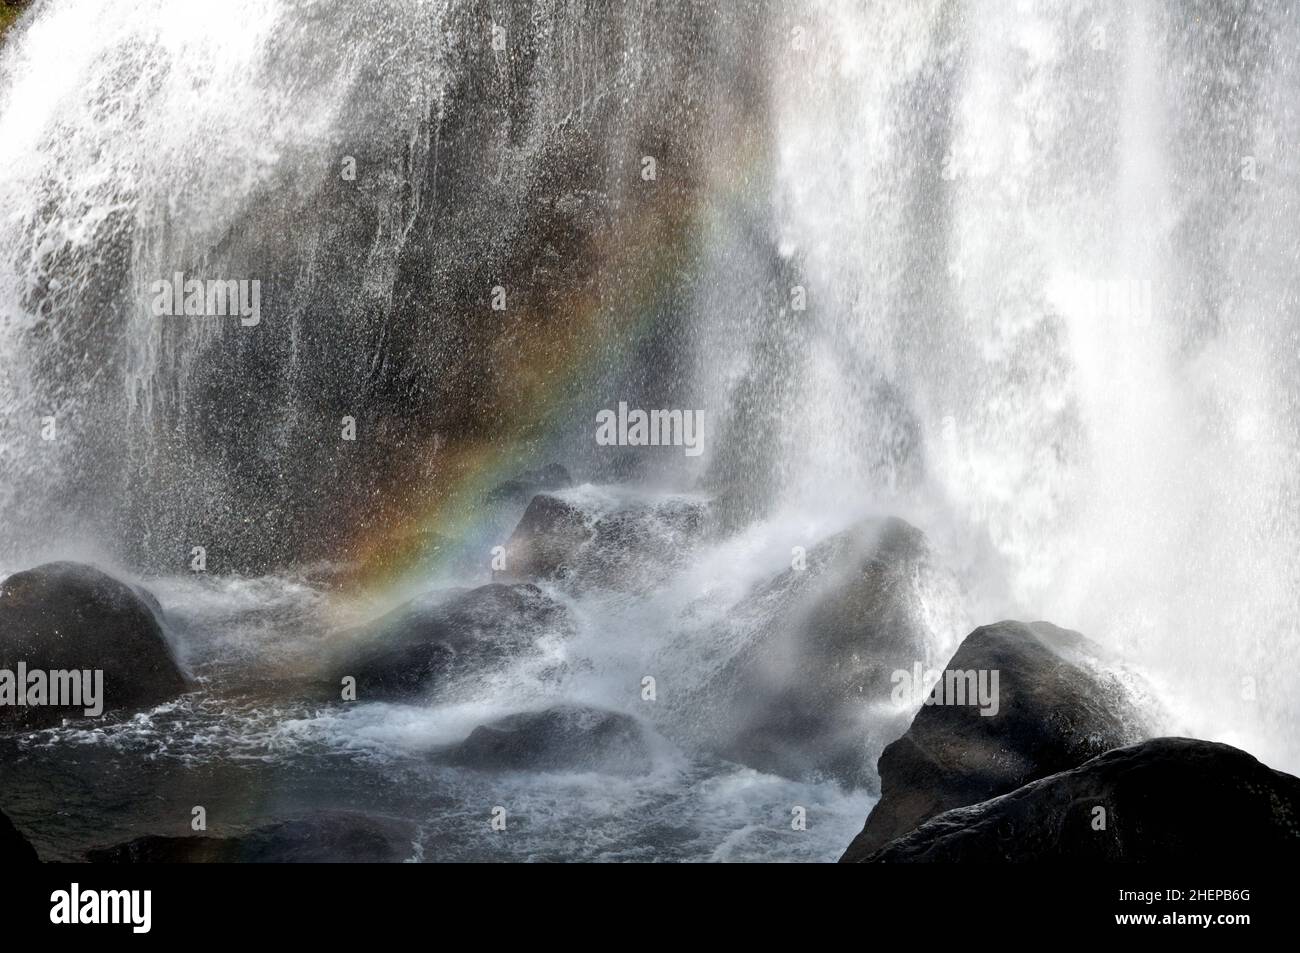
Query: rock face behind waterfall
[
  {"x": 1164, "y": 800},
  {"x": 809, "y": 692},
  {"x": 605, "y": 538},
  {"x": 68, "y": 616},
  {"x": 561, "y": 738},
  {"x": 14, "y": 848},
  {"x": 430, "y": 643},
  {"x": 474, "y": 163},
  {"x": 1057, "y": 707}
]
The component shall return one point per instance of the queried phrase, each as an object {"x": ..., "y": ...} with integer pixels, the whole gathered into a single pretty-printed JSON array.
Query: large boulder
[
  {"x": 606, "y": 538},
  {"x": 547, "y": 542},
  {"x": 324, "y": 837},
  {"x": 1060, "y": 702},
  {"x": 1169, "y": 800},
  {"x": 69, "y": 617},
  {"x": 14, "y": 847},
  {"x": 561, "y": 738},
  {"x": 807, "y": 694},
  {"x": 524, "y": 486},
  {"x": 434, "y": 642}
]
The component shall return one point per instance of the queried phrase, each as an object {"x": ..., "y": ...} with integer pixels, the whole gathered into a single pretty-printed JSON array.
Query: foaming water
[
  {"x": 1090, "y": 318},
  {"x": 1049, "y": 259},
  {"x": 242, "y": 746}
]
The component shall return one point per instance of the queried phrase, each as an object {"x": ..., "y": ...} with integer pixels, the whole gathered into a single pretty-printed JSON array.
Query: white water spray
[{"x": 958, "y": 181}]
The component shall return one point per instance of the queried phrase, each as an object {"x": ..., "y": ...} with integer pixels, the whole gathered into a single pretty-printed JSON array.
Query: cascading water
[
  {"x": 1063, "y": 233},
  {"x": 1023, "y": 274}
]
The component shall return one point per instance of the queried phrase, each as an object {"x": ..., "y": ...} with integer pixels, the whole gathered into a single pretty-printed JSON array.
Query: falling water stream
[{"x": 1024, "y": 274}]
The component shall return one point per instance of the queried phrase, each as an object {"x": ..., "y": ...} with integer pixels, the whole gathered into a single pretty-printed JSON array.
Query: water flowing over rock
[
  {"x": 1024, "y": 274},
  {"x": 436, "y": 641},
  {"x": 546, "y": 542},
  {"x": 561, "y": 738},
  {"x": 1167, "y": 800},
  {"x": 523, "y": 487},
  {"x": 1058, "y": 705},
  {"x": 9, "y": 10},
  {"x": 72, "y": 617},
  {"x": 808, "y": 693},
  {"x": 439, "y": 152},
  {"x": 606, "y": 538}
]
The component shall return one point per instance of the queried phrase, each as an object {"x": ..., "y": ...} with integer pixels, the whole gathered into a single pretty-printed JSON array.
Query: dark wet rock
[
  {"x": 9, "y": 11},
  {"x": 1170, "y": 800},
  {"x": 1060, "y": 702},
  {"x": 610, "y": 540},
  {"x": 70, "y": 617},
  {"x": 157, "y": 849},
  {"x": 529, "y": 483},
  {"x": 430, "y": 643},
  {"x": 149, "y": 599},
  {"x": 327, "y": 837},
  {"x": 809, "y": 693},
  {"x": 562, "y": 738},
  {"x": 14, "y": 847},
  {"x": 407, "y": 353},
  {"x": 548, "y": 540}
]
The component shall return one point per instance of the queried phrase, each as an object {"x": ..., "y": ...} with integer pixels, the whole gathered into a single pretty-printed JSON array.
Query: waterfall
[
  {"x": 1023, "y": 273},
  {"x": 1059, "y": 231}
]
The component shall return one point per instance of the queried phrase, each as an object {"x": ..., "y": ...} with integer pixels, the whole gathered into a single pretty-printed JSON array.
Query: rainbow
[{"x": 547, "y": 361}]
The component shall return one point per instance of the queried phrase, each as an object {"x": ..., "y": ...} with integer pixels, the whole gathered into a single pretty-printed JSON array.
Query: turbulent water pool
[
  {"x": 1025, "y": 275},
  {"x": 256, "y": 744}
]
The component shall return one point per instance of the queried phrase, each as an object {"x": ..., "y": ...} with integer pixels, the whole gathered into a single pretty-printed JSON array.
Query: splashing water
[
  {"x": 1049, "y": 229},
  {"x": 1024, "y": 274}
]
